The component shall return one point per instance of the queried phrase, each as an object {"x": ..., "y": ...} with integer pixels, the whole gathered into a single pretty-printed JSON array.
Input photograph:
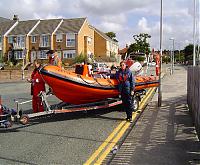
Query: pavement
[{"x": 162, "y": 135}]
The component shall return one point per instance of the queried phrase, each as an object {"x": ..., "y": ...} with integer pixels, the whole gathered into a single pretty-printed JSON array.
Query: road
[{"x": 61, "y": 139}]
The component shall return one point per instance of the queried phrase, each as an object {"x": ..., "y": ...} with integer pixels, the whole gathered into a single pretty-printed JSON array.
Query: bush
[
  {"x": 1, "y": 59},
  {"x": 80, "y": 58},
  {"x": 106, "y": 59}
]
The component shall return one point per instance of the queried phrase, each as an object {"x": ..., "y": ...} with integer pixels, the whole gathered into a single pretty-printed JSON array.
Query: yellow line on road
[
  {"x": 118, "y": 132},
  {"x": 122, "y": 131},
  {"x": 110, "y": 137},
  {"x": 115, "y": 140},
  {"x": 144, "y": 100}
]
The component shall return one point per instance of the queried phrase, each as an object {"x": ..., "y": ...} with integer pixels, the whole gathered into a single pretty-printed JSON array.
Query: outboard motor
[{"x": 136, "y": 68}]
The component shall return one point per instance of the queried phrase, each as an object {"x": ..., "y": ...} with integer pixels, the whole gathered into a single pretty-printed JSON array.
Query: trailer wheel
[
  {"x": 7, "y": 124},
  {"x": 136, "y": 103},
  {"x": 24, "y": 119}
]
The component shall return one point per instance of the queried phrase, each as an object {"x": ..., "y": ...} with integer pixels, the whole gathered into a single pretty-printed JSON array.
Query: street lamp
[
  {"x": 172, "y": 61},
  {"x": 179, "y": 52},
  {"x": 23, "y": 67},
  {"x": 194, "y": 35},
  {"x": 161, "y": 33}
]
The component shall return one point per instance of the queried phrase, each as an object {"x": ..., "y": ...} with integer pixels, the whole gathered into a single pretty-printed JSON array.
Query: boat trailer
[{"x": 9, "y": 116}]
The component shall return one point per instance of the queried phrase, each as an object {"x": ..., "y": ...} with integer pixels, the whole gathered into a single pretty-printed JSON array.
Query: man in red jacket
[
  {"x": 37, "y": 85},
  {"x": 53, "y": 58}
]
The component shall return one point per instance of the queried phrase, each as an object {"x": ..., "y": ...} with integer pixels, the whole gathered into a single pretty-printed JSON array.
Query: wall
[
  {"x": 193, "y": 95},
  {"x": 13, "y": 75},
  {"x": 84, "y": 32},
  {"x": 100, "y": 45}
]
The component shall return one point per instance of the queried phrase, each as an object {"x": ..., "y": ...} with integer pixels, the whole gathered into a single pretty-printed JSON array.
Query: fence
[
  {"x": 193, "y": 95},
  {"x": 6, "y": 75}
]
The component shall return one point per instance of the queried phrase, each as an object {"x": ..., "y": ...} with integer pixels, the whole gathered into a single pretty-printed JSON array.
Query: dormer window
[
  {"x": 33, "y": 39},
  {"x": 17, "y": 41},
  {"x": 89, "y": 40},
  {"x": 10, "y": 39},
  {"x": 70, "y": 40},
  {"x": 59, "y": 37},
  {"x": 44, "y": 41}
]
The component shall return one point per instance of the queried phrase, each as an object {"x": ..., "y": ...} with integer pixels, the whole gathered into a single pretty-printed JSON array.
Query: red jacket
[{"x": 37, "y": 83}]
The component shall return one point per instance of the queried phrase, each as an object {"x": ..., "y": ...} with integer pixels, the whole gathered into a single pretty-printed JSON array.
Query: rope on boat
[
  {"x": 96, "y": 81},
  {"x": 42, "y": 67},
  {"x": 102, "y": 84},
  {"x": 79, "y": 76}
]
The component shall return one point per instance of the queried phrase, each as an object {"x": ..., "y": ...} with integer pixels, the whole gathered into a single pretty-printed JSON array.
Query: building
[
  {"x": 31, "y": 39},
  {"x": 104, "y": 46},
  {"x": 124, "y": 52},
  {"x": 5, "y": 26}
]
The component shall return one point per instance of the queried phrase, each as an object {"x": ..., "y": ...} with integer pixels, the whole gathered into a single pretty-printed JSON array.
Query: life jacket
[
  {"x": 123, "y": 76},
  {"x": 126, "y": 81},
  {"x": 37, "y": 83}
]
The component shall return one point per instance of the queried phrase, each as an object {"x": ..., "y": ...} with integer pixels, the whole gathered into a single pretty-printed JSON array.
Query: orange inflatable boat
[{"x": 79, "y": 88}]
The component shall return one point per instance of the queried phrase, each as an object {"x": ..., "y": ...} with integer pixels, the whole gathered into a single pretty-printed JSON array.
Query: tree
[
  {"x": 112, "y": 35},
  {"x": 188, "y": 52},
  {"x": 140, "y": 44}
]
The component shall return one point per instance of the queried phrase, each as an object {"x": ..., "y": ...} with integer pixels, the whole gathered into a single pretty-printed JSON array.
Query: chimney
[{"x": 15, "y": 18}]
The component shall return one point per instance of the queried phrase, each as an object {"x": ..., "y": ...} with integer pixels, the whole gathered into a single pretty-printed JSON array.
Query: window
[
  {"x": 21, "y": 41},
  {"x": 69, "y": 54},
  {"x": 10, "y": 39},
  {"x": 18, "y": 54},
  {"x": 70, "y": 40},
  {"x": 18, "y": 42},
  {"x": 44, "y": 41},
  {"x": 89, "y": 40},
  {"x": 59, "y": 37},
  {"x": 42, "y": 55},
  {"x": 33, "y": 39}
]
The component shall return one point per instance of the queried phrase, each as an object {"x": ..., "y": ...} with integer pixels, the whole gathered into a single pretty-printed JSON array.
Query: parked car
[
  {"x": 101, "y": 67},
  {"x": 1, "y": 66}
]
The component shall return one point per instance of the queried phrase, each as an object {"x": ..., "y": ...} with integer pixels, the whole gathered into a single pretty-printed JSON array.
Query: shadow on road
[
  {"x": 95, "y": 114},
  {"x": 168, "y": 135}
]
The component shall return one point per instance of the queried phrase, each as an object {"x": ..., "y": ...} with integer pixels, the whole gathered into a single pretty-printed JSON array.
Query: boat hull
[{"x": 77, "y": 89}]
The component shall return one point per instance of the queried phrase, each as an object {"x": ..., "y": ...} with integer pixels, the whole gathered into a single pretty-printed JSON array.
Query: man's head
[
  {"x": 36, "y": 64},
  {"x": 50, "y": 53},
  {"x": 123, "y": 65}
]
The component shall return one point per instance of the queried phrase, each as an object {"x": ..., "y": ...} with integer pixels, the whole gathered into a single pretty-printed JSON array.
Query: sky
[{"x": 123, "y": 17}]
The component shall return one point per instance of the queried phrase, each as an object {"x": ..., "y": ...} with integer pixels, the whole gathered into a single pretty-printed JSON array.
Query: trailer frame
[{"x": 62, "y": 107}]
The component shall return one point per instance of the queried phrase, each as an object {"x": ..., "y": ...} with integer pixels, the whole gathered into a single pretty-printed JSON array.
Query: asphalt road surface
[
  {"x": 69, "y": 138},
  {"x": 59, "y": 139}
]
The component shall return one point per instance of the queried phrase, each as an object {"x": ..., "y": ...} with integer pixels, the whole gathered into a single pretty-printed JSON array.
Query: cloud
[
  {"x": 29, "y": 9},
  {"x": 125, "y": 18},
  {"x": 109, "y": 26},
  {"x": 142, "y": 25},
  {"x": 111, "y": 7}
]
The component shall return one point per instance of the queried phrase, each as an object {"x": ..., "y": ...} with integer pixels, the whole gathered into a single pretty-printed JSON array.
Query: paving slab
[{"x": 163, "y": 135}]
